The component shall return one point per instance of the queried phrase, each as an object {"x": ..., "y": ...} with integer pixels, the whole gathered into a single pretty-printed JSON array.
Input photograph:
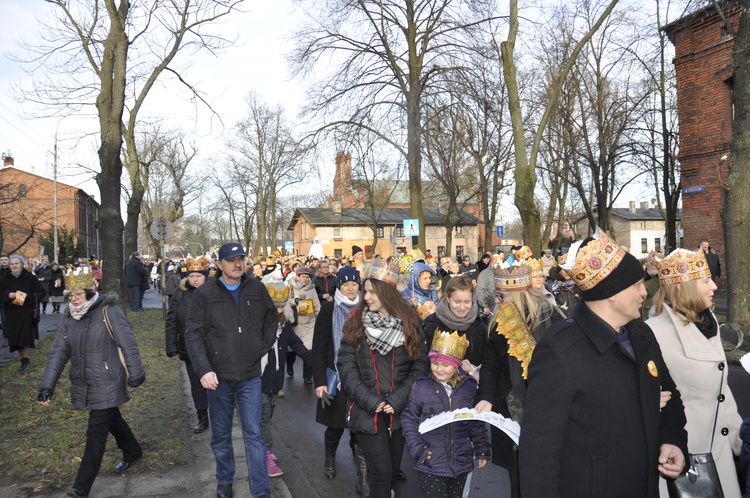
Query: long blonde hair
[
  {"x": 533, "y": 304},
  {"x": 684, "y": 300}
]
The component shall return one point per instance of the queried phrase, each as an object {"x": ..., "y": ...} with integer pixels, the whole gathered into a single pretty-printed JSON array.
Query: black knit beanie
[{"x": 627, "y": 273}]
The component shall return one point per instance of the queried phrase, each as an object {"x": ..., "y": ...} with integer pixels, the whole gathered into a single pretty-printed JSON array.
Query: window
[
  {"x": 458, "y": 230},
  {"x": 401, "y": 250},
  {"x": 338, "y": 233},
  {"x": 643, "y": 225},
  {"x": 644, "y": 245},
  {"x": 657, "y": 244},
  {"x": 459, "y": 252},
  {"x": 681, "y": 245},
  {"x": 380, "y": 232},
  {"x": 441, "y": 251},
  {"x": 338, "y": 253},
  {"x": 399, "y": 231}
]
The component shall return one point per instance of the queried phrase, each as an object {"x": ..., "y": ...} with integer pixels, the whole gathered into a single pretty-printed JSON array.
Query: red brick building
[
  {"x": 27, "y": 211},
  {"x": 703, "y": 63}
]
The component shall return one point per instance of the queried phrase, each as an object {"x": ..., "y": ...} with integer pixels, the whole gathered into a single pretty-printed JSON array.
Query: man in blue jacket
[{"x": 231, "y": 326}]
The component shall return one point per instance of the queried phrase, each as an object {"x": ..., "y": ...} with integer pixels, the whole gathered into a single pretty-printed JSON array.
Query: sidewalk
[{"x": 197, "y": 480}]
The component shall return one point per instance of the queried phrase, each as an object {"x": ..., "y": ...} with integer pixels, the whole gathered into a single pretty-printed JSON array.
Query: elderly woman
[
  {"x": 688, "y": 334},
  {"x": 89, "y": 336},
  {"x": 420, "y": 292},
  {"x": 175, "y": 326},
  {"x": 21, "y": 293},
  {"x": 329, "y": 329},
  {"x": 305, "y": 306}
]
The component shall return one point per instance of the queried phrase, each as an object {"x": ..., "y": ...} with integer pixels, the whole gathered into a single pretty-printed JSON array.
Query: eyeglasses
[{"x": 76, "y": 294}]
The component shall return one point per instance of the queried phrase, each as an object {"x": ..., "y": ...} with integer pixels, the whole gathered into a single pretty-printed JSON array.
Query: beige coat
[
  {"x": 305, "y": 323},
  {"x": 693, "y": 362}
]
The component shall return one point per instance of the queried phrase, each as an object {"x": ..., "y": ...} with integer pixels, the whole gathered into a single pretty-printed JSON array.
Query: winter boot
[
  {"x": 202, "y": 422},
  {"x": 273, "y": 467},
  {"x": 362, "y": 487},
  {"x": 25, "y": 365},
  {"x": 329, "y": 467}
]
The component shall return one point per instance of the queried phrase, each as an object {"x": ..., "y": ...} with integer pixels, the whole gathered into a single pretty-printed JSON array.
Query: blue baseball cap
[{"x": 231, "y": 250}]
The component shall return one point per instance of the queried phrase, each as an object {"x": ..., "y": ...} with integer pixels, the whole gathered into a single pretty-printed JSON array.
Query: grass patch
[{"x": 45, "y": 444}]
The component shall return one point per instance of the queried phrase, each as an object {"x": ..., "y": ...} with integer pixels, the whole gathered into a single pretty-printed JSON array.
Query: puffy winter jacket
[
  {"x": 447, "y": 451},
  {"x": 395, "y": 373},
  {"x": 226, "y": 340},
  {"x": 97, "y": 376},
  {"x": 177, "y": 316}
]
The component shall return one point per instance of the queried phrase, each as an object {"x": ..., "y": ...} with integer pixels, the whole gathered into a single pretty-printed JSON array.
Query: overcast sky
[{"x": 255, "y": 63}]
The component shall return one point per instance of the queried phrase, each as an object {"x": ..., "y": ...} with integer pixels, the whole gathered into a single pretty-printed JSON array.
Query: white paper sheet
[
  {"x": 745, "y": 362},
  {"x": 508, "y": 426}
]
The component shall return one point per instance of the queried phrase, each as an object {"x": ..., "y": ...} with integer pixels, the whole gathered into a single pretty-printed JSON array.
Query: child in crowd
[
  {"x": 272, "y": 366},
  {"x": 445, "y": 455}
]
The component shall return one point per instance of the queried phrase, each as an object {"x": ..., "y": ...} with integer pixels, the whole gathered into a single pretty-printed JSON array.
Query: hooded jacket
[
  {"x": 413, "y": 288},
  {"x": 97, "y": 376}
]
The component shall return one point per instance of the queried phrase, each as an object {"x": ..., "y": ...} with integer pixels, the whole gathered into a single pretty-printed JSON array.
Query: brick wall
[{"x": 703, "y": 54}]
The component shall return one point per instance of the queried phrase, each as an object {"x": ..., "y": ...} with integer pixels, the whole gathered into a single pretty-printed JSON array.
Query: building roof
[
  {"x": 638, "y": 215},
  {"x": 708, "y": 11},
  {"x": 362, "y": 216},
  {"x": 13, "y": 171},
  {"x": 432, "y": 191}
]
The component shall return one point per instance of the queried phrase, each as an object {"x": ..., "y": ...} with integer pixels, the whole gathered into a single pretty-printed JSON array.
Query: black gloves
[
  {"x": 325, "y": 400},
  {"x": 45, "y": 395}
]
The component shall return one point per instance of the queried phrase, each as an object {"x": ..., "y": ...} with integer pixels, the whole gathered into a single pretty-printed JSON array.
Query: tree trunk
[
  {"x": 737, "y": 202},
  {"x": 110, "y": 103}
]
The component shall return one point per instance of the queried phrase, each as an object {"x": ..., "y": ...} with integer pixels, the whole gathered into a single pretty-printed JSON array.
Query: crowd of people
[{"x": 608, "y": 404}]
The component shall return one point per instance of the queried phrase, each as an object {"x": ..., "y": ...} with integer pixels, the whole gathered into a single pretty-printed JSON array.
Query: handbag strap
[
  {"x": 107, "y": 323},
  {"x": 718, "y": 403}
]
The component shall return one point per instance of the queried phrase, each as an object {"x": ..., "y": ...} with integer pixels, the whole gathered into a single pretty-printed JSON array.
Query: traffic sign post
[
  {"x": 162, "y": 230},
  {"x": 411, "y": 228},
  {"x": 500, "y": 231}
]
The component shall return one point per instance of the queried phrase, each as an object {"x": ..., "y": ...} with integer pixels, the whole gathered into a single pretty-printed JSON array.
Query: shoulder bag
[
  {"x": 112, "y": 335},
  {"x": 702, "y": 479}
]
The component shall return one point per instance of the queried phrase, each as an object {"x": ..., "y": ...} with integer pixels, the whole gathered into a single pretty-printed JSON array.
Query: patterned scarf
[
  {"x": 342, "y": 310},
  {"x": 449, "y": 318},
  {"x": 383, "y": 334},
  {"x": 78, "y": 312}
]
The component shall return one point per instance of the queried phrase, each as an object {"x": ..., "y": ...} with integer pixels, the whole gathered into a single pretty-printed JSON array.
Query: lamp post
[{"x": 56, "y": 246}]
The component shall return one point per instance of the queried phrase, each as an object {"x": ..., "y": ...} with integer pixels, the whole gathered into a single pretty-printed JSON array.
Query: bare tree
[
  {"x": 24, "y": 213},
  {"x": 110, "y": 53},
  {"x": 388, "y": 55},
  {"x": 526, "y": 162}
]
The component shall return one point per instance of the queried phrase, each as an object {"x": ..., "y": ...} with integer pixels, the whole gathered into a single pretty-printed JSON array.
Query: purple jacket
[{"x": 453, "y": 446}]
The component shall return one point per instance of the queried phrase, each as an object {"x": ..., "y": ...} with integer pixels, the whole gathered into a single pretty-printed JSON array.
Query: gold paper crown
[
  {"x": 79, "y": 279},
  {"x": 512, "y": 326},
  {"x": 381, "y": 270},
  {"x": 536, "y": 265},
  {"x": 199, "y": 264},
  {"x": 416, "y": 254},
  {"x": 682, "y": 266},
  {"x": 425, "y": 310},
  {"x": 279, "y": 292},
  {"x": 513, "y": 278},
  {"x": 450, "y": 344},
  {"x": 523, "y": 253},
  {"x": 596, "y": 261}
]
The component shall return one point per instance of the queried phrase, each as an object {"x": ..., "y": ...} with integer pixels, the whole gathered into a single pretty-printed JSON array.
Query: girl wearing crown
[
  {"x": 444, "y": 456},
  {"x": 688, "y": 334},
  {"x": 175, "y": 326},
  {"x": 21, "y": 292},
  {"x": 381, "y": 355}
]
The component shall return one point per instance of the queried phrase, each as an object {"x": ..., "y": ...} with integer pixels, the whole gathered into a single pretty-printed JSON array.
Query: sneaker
[{"x": 273, "y": 468}]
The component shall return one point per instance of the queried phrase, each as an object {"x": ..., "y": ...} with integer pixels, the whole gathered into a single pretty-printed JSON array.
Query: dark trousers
[
  {"x": 268, "y": 405},
  {"x": 442, "y": 487},
  {"x": 134, "y": 297},
  {"x": 200, "y": 398},
  {"x": 383, "y": 452},
  {"x": 333, "y": 435},
  {"x": 102, "y": 422}
]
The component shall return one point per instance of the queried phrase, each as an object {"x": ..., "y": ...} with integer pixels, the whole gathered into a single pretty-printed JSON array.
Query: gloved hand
[
  {"x": 325, "y": 400},
  {"x": 45, "y": 394}
]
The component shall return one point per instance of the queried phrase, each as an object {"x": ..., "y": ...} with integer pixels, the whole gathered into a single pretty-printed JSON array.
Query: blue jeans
[{"x": 246, "y": 395}]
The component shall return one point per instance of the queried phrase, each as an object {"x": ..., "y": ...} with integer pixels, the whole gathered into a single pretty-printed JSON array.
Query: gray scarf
[
  {"x": 446, "y": 316},
  {"x": 342, "y": 310}
]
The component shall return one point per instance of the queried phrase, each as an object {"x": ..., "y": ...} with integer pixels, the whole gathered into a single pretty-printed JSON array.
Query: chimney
[
  {"x": 7, "y": 159},
  {"x": 336, "y": 205},
  {"x": 644, "y": 205},
  {"x": 632, "y": 207}
]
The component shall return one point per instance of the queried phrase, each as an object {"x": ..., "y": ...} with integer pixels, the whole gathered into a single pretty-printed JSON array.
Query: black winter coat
[
  {"x": 322, "y": 357},
  {"x": 591, "y": 425},
  {"x": 272, "y": 379},
  {"x": 357, "y": 370},
  {"x": 176, "y": 324},
  {"x": 97, "y": 376},
  {"x": 44, "y": 275},
  {"x": 226, "y": 340},
  {"x": 56, "y": 275},
  {"x": 22, "y": 328},
  {"x": 134, "y": 272},
  {"x": 321, "y": 288}
]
